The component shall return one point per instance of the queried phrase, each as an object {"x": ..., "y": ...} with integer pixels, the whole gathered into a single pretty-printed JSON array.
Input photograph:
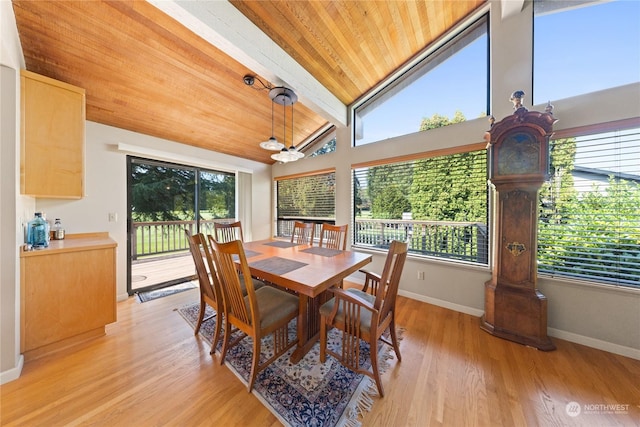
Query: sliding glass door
[{"x": 164, "y": 200}]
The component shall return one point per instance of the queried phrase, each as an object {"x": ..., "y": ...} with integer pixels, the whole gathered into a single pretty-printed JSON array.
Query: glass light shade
[
  {"x": 293, "y": 152},
  {"x": 284, "y": 156},
  {"x": 272, "y": 144}
]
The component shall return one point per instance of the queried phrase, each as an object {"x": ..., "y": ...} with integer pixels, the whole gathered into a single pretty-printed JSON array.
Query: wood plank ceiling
[{"x": 146, "y": 72}]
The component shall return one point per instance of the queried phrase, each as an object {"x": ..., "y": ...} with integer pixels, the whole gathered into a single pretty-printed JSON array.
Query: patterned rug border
[
  {"x": 146, "y": 296},
  {"x": 360, "y": 402}
]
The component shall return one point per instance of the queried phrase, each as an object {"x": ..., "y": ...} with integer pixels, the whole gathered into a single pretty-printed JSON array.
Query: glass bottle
[
  {"x": 58, "y": 230},
  {"x": 38, "y": 232}
]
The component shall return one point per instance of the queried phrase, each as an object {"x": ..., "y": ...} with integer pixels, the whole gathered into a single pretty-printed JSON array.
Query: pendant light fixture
[
  {"x": 286, "y": 97},
  {"x": 272, "y": 143}
]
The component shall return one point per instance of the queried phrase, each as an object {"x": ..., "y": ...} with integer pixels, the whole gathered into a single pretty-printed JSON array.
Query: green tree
[
  {"x": 329, "y": 147},
  {"x": 164, "y": 193},
  {"x": 596, "y": 233},
  {"x": 558, "y": 196},
  {"x": 449, "y": 188},
  {"x": 217, "y": 195},
  {"x": 358, "y": 200},
  {"x": 312, "y": 196},
  {"x": 438, "y": 121},
  {"x": 388, "y": 192},
  {"x": 160, "y": 193}
]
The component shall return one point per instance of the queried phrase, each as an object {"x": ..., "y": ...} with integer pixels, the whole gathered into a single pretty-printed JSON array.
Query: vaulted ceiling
[{"x": 174, "y": 69}]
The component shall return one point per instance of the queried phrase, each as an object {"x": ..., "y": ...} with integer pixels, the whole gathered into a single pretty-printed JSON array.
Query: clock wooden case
[{"x": 518, "y": 166}]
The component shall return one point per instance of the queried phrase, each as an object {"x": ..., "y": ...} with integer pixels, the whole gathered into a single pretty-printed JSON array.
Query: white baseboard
[
  {"x": 631, "y": 352},
  {"x": 621, "y": 350},
  {"x": 13, "y": 373},
  {"x": 442, "y": 303}
]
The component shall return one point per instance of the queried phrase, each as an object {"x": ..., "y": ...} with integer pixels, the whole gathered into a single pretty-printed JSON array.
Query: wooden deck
[{"x": 154, "y": 271}]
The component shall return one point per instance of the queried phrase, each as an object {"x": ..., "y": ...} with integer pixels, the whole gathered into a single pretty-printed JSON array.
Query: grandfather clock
[{"x": 518, "y": 165}]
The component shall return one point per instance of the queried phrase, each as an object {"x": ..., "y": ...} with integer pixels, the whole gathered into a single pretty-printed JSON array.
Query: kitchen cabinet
[
  {"x": 52, "y": 138},
  {"x": 68, "y": 292}
]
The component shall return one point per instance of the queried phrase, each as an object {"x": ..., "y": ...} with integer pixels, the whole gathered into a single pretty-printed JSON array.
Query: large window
[
  {"x": 589, "y": 225},
  {"x": 323, "y": 144},
  {"x": 438, "y": 204},
  {"x": 307, "y": 198},
  {"x": 426, "y": 92},
  {"x": 165, "y": 199},
  {"x": 584, "y": 46}
]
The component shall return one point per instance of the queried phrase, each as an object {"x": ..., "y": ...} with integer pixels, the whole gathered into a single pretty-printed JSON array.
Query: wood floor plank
[{"x": 150, "y": 370}]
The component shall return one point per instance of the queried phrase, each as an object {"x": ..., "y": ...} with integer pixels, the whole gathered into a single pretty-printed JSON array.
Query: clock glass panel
[{"x": 519, "y": 153}]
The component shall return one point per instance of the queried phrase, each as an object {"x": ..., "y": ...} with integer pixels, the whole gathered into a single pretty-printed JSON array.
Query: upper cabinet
[{"x": 52, "y": 138}]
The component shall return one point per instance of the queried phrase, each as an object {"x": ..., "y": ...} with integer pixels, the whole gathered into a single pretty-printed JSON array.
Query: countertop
[{"x": 73, "y": 243}]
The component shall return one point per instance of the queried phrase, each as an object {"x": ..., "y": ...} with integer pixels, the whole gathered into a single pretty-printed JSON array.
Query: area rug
[
  {"x": 308, "y": 393},
  {"x": 163, "y": 292}
]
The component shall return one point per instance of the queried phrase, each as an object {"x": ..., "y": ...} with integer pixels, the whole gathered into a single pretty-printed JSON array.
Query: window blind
[
  {"x": 311, "y": 197},
  {"x": 438, "y": 204},
  {"x": 589, "y": 222}
]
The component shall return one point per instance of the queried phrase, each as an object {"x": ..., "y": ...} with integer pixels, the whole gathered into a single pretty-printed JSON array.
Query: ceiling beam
[
  {"x": 511, "y": 7},
  {"x": 222, "y": 25}
]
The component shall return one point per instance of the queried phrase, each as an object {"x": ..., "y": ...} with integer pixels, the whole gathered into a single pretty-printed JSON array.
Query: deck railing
[
  {"x": 165, "y": 237},
  {"x": 467, "y": 241},
  {"x": 284, "y": 225}
]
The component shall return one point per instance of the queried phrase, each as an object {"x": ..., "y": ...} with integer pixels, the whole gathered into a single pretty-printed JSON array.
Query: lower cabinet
[{"x": 68, "y": 293}]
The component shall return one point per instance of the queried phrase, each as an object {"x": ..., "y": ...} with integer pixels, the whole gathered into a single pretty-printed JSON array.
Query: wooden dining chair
[
  {"x": 260, "y": 313},
  {"x": 362, "y": 316},
  {"x": 210, "y": 291},
  {"x": 303, "y": 233},
  {"x": 333, "y": 236},
  {"x": 227, "y": 232}
]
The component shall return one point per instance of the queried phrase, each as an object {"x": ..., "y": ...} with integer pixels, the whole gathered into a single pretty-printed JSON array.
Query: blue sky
[{"x": 578, "y": 51}]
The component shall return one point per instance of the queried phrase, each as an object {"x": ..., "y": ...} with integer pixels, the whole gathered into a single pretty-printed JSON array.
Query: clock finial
[
  {"x": 549, "y": 108},
  {"x": 516, "y": 98}
]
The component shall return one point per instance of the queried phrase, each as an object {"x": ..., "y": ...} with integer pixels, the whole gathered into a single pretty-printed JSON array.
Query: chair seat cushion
[
  {"x": 365, "y": 315},
  {"x": 274, "y": 305},
  {"x": 366, "y": 296},
  {"x": 257, "y": 284}
]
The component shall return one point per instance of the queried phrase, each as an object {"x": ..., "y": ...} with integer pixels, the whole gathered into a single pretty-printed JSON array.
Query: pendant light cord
[{"x": 272, "y": 119}]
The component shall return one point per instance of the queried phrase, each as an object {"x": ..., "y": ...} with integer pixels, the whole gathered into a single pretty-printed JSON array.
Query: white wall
[{"x": 604, "y": 317}]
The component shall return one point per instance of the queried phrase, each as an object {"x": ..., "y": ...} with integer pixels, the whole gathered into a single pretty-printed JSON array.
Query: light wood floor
[{"x": 150, "y": 370}]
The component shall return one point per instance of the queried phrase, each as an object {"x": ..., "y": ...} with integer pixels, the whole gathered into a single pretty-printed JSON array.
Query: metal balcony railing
[{"x": 466, "y": 241}]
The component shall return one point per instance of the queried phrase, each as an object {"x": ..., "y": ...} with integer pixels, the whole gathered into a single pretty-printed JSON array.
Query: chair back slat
[
  {"x": 390, "y": 278},
  {"x": 228, "y": 232},
  {"x": 303, "y": 233},
  {"x": 199, "y": 249},
  {"x": 333, "y": 236}
]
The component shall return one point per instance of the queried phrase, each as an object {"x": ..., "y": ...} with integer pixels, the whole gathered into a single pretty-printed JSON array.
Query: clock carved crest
[{"x": 518, "y": 159}]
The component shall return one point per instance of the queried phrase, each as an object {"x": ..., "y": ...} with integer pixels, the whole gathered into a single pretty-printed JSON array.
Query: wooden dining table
[{"x": 306, "y": 270}]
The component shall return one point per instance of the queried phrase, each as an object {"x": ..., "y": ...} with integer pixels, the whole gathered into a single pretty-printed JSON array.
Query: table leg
[{"x": 308, "y": 324}]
